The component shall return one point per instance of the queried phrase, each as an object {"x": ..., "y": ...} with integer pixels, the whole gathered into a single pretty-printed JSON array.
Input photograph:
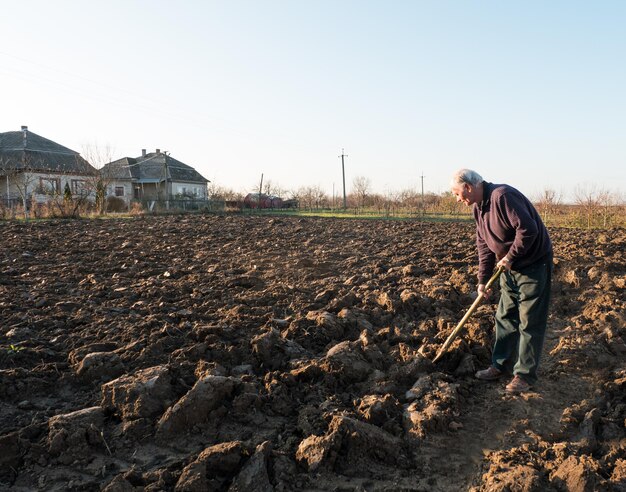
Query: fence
[
  {"x": 183, "y": 205},
  {"x": 565, "y": 217}
]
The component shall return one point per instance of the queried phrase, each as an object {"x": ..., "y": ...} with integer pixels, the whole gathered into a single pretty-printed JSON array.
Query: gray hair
[{"x": 466, "y": 176}]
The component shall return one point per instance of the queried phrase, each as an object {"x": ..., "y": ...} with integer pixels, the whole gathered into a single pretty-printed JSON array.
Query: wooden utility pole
[
  {"x": 260, "y": 191},
  {"x": 423, "y": 205},
  {"x": 343, "y": 174},
  {"x": 167, "y": 190}
]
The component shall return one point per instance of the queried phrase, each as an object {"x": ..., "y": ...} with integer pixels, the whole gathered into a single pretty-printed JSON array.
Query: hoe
[{"x": 470, "y": 311}]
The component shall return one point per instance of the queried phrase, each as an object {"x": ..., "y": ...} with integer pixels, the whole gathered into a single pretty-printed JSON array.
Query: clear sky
[{"x": 530, "y": 93}]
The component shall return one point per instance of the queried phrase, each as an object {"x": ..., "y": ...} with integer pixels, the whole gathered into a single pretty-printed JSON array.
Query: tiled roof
[
  {"x": 153, "y": 168},
  {"x": 27, "y": 150},
  {"x": 119, "y": 169}
]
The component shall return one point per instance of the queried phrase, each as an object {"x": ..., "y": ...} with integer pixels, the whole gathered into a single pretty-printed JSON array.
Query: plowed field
[{"x": 205, "y": 353}]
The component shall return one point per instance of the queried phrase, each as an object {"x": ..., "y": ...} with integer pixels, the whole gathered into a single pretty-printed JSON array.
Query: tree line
[{"x": 591, "y": 206}]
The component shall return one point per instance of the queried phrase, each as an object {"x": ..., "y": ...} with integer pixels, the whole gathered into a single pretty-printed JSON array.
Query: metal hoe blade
[{"x": 470, "y": 311}]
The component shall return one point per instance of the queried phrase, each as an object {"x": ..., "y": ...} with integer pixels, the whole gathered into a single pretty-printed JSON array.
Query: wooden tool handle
[{"x": 472, "y": 308}]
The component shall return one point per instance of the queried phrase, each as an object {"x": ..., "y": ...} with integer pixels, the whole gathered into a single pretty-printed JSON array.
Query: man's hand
[
  {"x": 504, "y": 263},
  {"x": 486, "y": 293}
]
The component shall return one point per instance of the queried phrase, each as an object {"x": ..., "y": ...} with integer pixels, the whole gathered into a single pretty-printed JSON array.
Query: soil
[{"x": 201, "y": 353}]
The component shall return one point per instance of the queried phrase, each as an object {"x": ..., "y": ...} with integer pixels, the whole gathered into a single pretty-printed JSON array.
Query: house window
[
  {"x": 78, "y": 186},
  {"x": 49, "y": 186},
  {"x": 189, "y": 191},
  {"x": 119, "y": 191}
]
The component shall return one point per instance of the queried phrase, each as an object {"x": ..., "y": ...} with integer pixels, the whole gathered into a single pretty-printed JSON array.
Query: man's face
[{"x": 465, "y": 193}]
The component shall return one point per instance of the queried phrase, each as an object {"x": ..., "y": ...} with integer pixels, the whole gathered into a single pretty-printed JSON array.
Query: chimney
[
  {"x": 143, "y": 152},
  {"x": 158, "y": 151},
  {"x": 25, "y": 132}
]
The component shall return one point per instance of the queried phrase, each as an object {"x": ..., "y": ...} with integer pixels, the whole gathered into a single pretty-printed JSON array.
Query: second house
[{"x": 153, "y": 177}]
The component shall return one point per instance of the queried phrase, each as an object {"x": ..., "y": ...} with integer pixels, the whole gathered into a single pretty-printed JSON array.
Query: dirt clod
[{"x": 214, "y": 352}]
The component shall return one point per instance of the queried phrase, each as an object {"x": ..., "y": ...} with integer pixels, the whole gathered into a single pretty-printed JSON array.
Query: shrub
[
  {"x": 116, "y": 204},
  {"x": 136, "y": 208}
]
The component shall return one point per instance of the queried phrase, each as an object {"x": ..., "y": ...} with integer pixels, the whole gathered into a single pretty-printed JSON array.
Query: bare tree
[
  {"x": 609, "y": 204},
  {"x": 69, "y": 202},
  {"x": 586, "y": 198},
  {"x": 448, "y": 203},
  {"x": 214, "y": 191},
  {"x": 218, "y": 192},
  {"x": 378, "y": 202},
  {"x": 23, "y": 178},
  {"x": 24, "y": 181},
  {"x": 295, "y": 195},
  {"x": 274, "y": 189},
  {"x": 4, "y": 170},
  {"x": 361, "y": 187},
  {"x": 320, "y": 197},
  {"x": 548, "y": 203},
  {"x": 232, "y": 195},
  {"x": 96, "y": 185},
  {"x": 383, "y": 203},
  {"x": 279, "y": 191},
  {"x": 268, "y": 187},
  {"x": 410, "y": 199},
  {"x": 306, "y": 197}
]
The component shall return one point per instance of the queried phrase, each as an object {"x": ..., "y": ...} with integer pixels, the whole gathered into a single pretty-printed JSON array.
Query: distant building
[
  {"x": 262, "y": 200},
  {"x": 32, "y": 166},
  {"x": 153, "y": 176}
]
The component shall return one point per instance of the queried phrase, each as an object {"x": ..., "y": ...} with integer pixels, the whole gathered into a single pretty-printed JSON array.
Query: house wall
[
  {"x": 156, "y": 191},
  {"x": 42, "y": 186},
  {"x": 122, "y": 189},
  {"x": 147, "y": 191}
]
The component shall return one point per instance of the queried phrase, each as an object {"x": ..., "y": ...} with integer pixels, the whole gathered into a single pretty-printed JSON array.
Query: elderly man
[{"x": 511, "y": 235}]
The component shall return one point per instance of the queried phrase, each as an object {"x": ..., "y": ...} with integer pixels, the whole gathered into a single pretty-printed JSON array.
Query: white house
[
  {"x": 153, "y": 176},
  {"x": 32, "y": 166}
]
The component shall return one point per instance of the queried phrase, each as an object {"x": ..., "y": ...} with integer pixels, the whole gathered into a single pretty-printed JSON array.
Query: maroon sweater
[{"x": 508, "y": 224}]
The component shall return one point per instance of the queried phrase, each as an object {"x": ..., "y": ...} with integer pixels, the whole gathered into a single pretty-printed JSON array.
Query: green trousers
[{"x": 521, "y": 319}]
